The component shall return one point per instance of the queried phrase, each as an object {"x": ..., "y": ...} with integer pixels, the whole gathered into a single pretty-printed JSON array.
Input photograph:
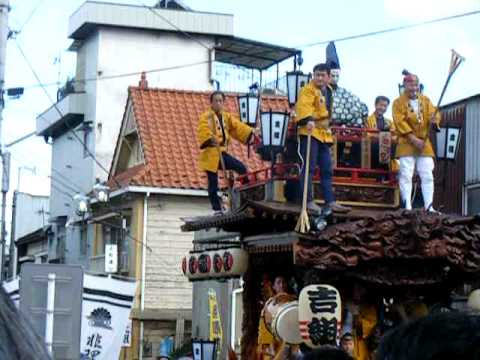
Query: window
[
  {"x": 99, "y": 241},
  {"x": 87, "y": 129},
  {"x": 473, "y": 200},
  {"x": 117, "y": 231}
]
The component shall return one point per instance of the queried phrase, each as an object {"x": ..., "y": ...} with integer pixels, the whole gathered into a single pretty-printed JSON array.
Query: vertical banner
[
  {"x": 127, "y": 337},
  {"x": 105, "y": 316},
  {"x": 385, "y": 142},
  {"x": 216, "y": 332}
]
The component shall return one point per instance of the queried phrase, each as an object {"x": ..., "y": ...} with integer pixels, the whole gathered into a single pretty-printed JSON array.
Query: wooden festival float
[{"x": 390, "y": 251}]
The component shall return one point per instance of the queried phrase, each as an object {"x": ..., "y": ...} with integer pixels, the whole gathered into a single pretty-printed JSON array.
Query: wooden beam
[
  {"x": 179, "y": 333},
  {"x": 161, "y": 314}
]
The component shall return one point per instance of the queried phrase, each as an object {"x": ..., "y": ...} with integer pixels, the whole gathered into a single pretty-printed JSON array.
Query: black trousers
[{"x": 230, "y": 164}]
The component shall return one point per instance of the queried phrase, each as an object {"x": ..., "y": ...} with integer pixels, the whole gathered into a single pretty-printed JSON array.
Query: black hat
[{"x": 331, "y": 57}]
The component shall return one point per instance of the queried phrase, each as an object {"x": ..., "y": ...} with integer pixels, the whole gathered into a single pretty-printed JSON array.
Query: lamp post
[
  {"x": 204, "y": 349},
  {"x": 81, "y": 204},
  {"x": 295, "y": 81},
  {"x": 101, "y": 192}
]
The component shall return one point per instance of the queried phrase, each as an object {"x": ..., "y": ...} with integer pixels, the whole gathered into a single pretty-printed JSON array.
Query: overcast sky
[{"x": 370, "y": 66}]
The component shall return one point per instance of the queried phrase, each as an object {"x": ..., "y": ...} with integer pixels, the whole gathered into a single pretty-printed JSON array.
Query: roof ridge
[{"x": 198, "y": 92}]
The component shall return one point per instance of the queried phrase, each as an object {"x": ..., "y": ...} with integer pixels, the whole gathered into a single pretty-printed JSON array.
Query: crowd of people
[{"x": 379, "y": 329}]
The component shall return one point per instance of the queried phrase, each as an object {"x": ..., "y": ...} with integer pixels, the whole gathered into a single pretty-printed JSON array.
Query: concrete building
[{"x": 30, "y": 230}]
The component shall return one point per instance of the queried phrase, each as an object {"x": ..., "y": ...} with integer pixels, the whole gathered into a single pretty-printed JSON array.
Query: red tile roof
[{"x": 167, "y": 124}]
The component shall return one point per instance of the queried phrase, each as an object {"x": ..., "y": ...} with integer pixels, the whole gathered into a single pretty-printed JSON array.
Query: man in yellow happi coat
[
  {"x": 413, "y": 115},
  {"x": 377, "y": 121},
  {"x": 215, "y": 129},
  {"x": 313, "y": 109},
  {"x": 360, "y": 319}
]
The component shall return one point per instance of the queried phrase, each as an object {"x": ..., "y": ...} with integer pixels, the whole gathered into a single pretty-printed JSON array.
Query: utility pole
[
  {"x": 4, "y": 31},
  {"x": 5, "y": 187}
]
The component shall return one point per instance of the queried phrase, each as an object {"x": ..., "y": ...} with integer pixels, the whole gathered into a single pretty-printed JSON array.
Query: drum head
[
  {"x": 285, "y": 324},
  {"x": 273, "y": 305}
]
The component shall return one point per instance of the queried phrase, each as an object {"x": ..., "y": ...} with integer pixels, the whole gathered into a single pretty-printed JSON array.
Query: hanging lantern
[
  {"x": 248, "y": 108},
  {"x": 102, "y": 192},
  {"x": 295, "y": 81},
  {"x": 274, "y": 125},
  {"x": 204, "y": 349},
  {"x": 448, "y": 139},
  {"x": 82, "y": 204}
]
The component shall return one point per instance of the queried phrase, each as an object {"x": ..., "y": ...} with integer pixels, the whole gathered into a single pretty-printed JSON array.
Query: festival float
[{"x": 376, "y": 258}]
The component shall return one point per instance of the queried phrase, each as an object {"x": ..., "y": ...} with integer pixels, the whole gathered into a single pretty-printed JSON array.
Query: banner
[
  {"x": 106, "y": 306},
  {"x": 127, "y": 337},
  {"x": 105, "y": 316},
  {"x": 216, "y": 332}
]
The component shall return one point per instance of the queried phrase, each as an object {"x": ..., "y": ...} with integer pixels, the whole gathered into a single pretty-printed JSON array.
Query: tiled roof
[{"x": 167, "y": 125}]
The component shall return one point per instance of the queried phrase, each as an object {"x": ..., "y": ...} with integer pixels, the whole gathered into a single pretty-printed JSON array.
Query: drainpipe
[
  {"x": 144, "y": 250},
  {"x": 233, "y": 324}
]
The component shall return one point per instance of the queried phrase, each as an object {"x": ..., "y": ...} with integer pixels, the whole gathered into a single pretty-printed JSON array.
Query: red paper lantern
[{"x": 217, "y": 263}]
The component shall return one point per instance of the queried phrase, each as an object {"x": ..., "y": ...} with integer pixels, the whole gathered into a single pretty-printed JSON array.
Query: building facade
[
  {"x": 457, "y": 180},
  {"x": 30, "y": 230}
]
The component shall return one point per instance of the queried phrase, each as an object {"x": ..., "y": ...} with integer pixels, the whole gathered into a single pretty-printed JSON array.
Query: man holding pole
[
  {"x": 215, "y": 128},
  {"x": 413, "y": 115},
  {"x": 313, "y": 110}
]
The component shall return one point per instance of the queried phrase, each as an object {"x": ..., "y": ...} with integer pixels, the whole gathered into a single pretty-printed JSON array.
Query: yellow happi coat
[
  {"x": 365, "y": 326},
  {"x": 311, "y": 102},
  {"x": 209, "y": 128},
  {"x": 406, "y": 122},
  {"x": 390, "y": 125},
  {"x": 372, "y": 123}
]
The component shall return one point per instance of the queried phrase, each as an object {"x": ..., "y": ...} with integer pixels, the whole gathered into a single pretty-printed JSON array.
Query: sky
[{"x": 370, "y": 66}]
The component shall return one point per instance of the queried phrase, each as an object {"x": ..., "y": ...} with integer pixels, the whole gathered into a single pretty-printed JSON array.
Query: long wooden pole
[
  {"x": 225, "y": 176},
  {"x": 455, "y": 62},
  {"x": 303, "y": 224}
]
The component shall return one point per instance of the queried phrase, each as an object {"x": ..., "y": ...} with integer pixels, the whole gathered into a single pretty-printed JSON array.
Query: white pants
[{"x": 424, "y": 166}]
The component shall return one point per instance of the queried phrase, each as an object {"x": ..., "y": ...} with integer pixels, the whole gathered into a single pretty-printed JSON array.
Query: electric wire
[
  {"x": 30, "y": 16},
  {"x": 186, "y": 34},
  {"x": 117, "y": 76},
  {"x": 69, "y": 128},
  {"x": 62, "y": 192},
  {"x": 394, "y": 29},
  {"x": 61, "y": 182}
]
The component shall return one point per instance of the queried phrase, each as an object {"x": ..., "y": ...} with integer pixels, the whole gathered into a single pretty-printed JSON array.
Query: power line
[
  {"x": 70, "y": 197},
  {"x": 126, "y": 233},
  {"x": 61, "y": 182},
  {"x": 116, "y": 76},
  {"x": 155, "y": 12},
  {"x": 87, "y": 150},
  {"x": 398, "y": 28},
  {"x": 79, "y": 189},
  {"x": 29, "y": 17}
]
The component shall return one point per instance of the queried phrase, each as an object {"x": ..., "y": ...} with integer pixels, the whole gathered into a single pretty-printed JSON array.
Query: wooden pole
[
  {"x": 303, "y": 224},
  {"x": 455, "y": 62},
  {"x": 225, "y": 176}
]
